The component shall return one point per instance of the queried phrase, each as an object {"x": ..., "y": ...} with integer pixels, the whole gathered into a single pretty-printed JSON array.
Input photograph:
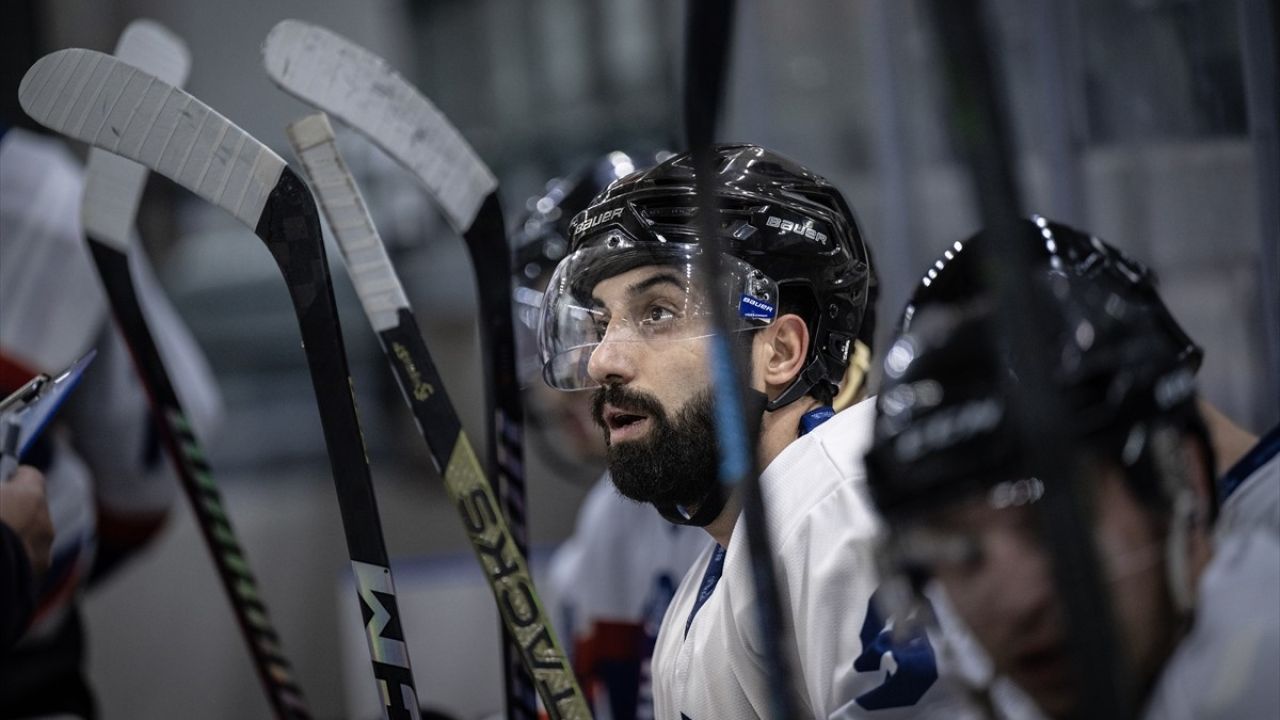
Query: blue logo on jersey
[{"x": 917, "y": 666}]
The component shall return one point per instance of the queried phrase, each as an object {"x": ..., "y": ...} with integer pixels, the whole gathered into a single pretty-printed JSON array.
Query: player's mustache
[{"x": 641, "y": 403}]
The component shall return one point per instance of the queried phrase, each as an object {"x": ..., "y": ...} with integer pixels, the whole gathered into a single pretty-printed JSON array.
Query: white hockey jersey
[
  {"x": 1228, "y": 666},
  {"x": 610, "y": 584},
  {"x": 1250, "y": 491},
  {"x": 708, "y": 663}
]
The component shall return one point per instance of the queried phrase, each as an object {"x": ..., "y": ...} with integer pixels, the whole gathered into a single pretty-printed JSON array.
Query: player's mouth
[
  {"x": 1042, "y": 668},
  {"x": 623, "y": 425}
]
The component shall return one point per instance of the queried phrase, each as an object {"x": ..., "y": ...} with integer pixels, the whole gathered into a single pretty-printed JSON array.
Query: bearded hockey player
[
  {"x": 624, "y": 315},
  {"x": 609, "y": 584},
  {"x": 1195, "y": 615}
]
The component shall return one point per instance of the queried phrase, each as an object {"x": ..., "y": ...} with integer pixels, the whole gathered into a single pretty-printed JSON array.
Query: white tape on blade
[
  {"x": 371, "y": 271},
  {"x": 361, "y": 89},
  {"x": 111, "y": 105},
  {"x": 113, "y": 185}
]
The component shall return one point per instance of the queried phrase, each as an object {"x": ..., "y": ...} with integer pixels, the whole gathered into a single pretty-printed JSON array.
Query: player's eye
[
  {"x": 599, "y": 323},
  {"x": 657, "y": 314}
]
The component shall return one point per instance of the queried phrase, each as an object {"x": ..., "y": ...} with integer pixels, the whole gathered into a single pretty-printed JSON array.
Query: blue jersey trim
[
  {"x": 710, "y": 578},
  {"x": 812, "y": 419},
  {"x": 715, "y": 568},
  {"x": 1259, "y": 455}
]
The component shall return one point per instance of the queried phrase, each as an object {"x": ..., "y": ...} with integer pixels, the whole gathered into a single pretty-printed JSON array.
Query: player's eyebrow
[{"x": 663, "y": 278}]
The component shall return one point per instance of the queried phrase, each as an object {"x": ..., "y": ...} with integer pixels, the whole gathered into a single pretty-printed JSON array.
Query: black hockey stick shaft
[
  {"x": 738, "y": 413},
  {"x": 274, "y": 671},
  {"x": 290, "y": 227},
  {"x": 491, "y": 263},
  {"x": 981, "y": 132},
  {"x": 524, "y": 619}
]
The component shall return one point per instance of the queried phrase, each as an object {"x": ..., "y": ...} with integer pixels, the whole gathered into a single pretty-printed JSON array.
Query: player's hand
[{"x": 24, "y": 508}]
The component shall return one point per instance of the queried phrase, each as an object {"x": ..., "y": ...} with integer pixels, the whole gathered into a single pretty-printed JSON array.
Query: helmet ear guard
[{"x": 835, "y": 332}]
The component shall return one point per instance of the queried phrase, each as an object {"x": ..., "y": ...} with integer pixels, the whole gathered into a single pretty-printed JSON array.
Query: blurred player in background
[
  {"x": 611, "y": 581},
  {"x": 1195, "y": 614},
  {"x": 108, "y": 486}
]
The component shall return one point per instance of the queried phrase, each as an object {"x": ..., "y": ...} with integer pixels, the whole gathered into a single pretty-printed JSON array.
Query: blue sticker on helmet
[{"x": 749, "y": 307}]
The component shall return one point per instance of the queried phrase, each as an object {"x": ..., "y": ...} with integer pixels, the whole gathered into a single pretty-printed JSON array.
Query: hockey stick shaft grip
[{"x": 375, "y": 280}]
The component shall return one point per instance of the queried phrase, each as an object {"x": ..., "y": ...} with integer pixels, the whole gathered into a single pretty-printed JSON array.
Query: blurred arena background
[{"x": 1132, "y": 121}]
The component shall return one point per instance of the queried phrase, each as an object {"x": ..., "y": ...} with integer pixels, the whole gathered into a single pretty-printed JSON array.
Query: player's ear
[{"x": 780, "y": 355}]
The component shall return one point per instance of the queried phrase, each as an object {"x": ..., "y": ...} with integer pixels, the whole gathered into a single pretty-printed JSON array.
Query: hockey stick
[
  {"x": 99, "y": 100},
  {"x": 113, "y": 187},
  {"x": 738, "y": 413},
  {"x": 361, "y": 89},
  {"x": 384, "y": 302},
  {"x": 981, "y": 132}
]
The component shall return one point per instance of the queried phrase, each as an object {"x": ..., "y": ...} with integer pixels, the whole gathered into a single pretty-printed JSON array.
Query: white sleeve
[
  {"x": 47, "y": 279},
  {"x": 828, "y": 574},
  {"x": 852, "y": 663}
]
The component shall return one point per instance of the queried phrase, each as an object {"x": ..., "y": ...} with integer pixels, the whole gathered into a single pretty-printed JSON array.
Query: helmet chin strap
[
  {"x": 710, "y": 507},
  {"x": 813, "y": 374},
  {"x": 708, "y": 510}
]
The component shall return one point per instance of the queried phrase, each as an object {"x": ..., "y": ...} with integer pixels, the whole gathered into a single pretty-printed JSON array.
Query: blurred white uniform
[
  {"x": 52, "y": 310},
  {"x": 610, "y": 584},
  {"x": 709, "y": 660},
  {"x": 1227, "y": 666},
  {"x": 105, "y": 476},
  {"x": 1250, "y": 491}
]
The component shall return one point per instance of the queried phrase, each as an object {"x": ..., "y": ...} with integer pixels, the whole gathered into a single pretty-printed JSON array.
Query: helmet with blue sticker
[{"x": 791, "y": 242}]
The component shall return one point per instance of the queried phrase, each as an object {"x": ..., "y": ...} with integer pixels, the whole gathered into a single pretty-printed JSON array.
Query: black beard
[{"x": 676, "y": 463}]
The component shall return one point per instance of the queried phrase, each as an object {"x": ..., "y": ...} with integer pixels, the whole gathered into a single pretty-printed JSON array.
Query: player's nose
[
  {"x": 1023, "y": 564},
  {"x": 613, "y": 362}
]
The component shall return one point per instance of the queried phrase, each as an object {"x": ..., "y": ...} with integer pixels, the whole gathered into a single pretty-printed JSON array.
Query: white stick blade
[
  {"x": 113, "y": 185},
  {"x": 361, "y": 89},
  {"x": 112, "y": 105},
  {"x": 371, "y": 271}
]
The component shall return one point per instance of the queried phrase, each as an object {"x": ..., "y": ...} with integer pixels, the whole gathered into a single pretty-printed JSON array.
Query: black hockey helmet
[
  {"x": 540, "y": 239},
  {"x": 541, "y": 236},
  {"x": 1123, "y": 367},
  {"x": 774, "y": 215}
]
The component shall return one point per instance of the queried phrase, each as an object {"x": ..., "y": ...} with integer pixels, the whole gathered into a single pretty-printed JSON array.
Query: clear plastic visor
[{"x": 623, "y": 291}]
